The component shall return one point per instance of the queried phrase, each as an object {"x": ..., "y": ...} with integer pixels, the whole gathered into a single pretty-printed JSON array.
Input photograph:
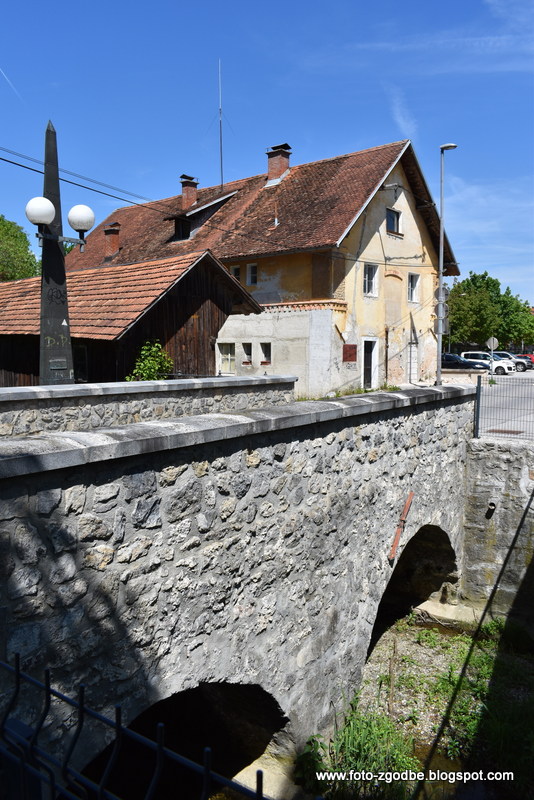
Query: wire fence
[
  {"x": 29, "y": 771},
  {"x": 505, "y": 406}
]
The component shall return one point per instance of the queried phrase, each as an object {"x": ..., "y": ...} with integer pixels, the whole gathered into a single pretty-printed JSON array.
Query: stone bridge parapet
[{"x": 85, "y": 407}]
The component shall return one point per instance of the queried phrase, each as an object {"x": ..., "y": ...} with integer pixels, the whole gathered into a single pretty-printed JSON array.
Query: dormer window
[
  {"x": 182, "y": 228},
  {"x": 188, "y": 222}
]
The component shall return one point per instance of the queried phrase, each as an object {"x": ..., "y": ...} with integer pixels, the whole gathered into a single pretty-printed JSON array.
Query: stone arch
[
  {"x": 236, "y": 720},
  {"x": 426, "y": 570}
]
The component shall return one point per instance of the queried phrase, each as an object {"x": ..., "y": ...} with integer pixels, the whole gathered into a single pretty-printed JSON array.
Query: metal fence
[
  {"x": 30, "y": 772},
  {"x": 505, "y": 406}
]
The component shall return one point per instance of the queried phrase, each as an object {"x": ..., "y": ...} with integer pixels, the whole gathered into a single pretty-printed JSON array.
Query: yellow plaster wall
[{"x": 280, "y": 278}]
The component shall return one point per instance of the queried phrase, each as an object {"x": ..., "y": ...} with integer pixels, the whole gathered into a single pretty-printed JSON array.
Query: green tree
[
  {"x": 473, "y": 313},
  {"x": 517, "y": 321},
  {"x": 16, "y": 258},
  {"x": 478, "y": 309}
]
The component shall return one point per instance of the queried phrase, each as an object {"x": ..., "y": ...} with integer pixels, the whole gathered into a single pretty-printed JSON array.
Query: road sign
[
  {"x": 492, "y": 343},
  {"x": 443, "y": 295},
  {"x": 444, "y": 326}
]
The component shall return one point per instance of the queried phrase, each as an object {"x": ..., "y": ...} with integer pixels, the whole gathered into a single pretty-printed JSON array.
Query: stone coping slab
[
  {"x": 65, "y": 391},
  {"x": 52, "y": 451}
]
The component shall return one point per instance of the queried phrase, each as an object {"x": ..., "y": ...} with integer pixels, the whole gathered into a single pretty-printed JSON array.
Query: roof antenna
[{"x": 220, "y": 125}]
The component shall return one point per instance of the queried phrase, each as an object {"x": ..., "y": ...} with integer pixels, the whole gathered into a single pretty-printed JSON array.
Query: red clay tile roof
[
  {"x": 314, "y": 203},
  {"x": 103, "y": 303}
]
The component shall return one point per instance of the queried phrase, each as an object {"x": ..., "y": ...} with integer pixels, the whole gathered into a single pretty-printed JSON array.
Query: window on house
[
  {"x": 370, "y": 282},
  {"x": 392, "y": 221},
  {"x": 252, "y": 274},
  {"x": 247, "y": 353},
  {"x": 265, "y": 352},
  {"x": 227, "y": 353},
  {"x": 413, "y": 287},
  {"x": 236, "y": 272}
]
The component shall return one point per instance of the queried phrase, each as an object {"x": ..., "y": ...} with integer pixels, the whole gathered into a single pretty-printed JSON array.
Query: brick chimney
[
  {"x": 189, "y": 191},
  {"x": 277, "y": 161},
  {"x": 112, "y": 234}
]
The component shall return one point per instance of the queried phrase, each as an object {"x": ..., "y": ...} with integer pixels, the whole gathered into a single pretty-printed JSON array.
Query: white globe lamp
[
  {"x": 40, "y": 211},
  {"x": 81, "y": 218}
]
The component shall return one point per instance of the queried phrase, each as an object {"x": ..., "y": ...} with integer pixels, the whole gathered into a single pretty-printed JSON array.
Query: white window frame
[
  {"x": 398, "y": 218},
  {"x": 235, "y": 270},
  {"x": 413, "y": 290},
  {"x": 370, "y": 287},
  {"x": 227, "y": 358},
  {"x": 252, "y": 274}
]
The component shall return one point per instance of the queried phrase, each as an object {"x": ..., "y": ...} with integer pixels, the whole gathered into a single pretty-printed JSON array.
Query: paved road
[{"x": 507, "y": 407}]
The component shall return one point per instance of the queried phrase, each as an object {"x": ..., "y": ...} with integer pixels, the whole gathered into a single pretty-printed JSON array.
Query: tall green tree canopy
[
  {"x": 16, "y": 258},
  {"x": 478, "y": 309}
]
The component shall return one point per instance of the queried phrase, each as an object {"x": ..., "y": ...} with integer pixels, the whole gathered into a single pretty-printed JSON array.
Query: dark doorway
[
  {"x": 368, "y": 351},
  {"x": 236, "y": 721}
]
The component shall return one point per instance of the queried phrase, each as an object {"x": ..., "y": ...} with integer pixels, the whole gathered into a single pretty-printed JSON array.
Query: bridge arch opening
[
  {"x": 426, "y": 570},
  {"x": 237, "y": 721}
]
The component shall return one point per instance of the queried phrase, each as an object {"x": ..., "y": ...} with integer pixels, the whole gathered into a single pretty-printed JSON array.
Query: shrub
[{"x": 152, "y": 363}]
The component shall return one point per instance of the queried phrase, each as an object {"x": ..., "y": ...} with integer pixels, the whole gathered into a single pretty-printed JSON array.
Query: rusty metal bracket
[{"x": 400, "y": 527}]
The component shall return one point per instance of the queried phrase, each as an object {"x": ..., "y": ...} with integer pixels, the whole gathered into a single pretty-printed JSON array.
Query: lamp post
[
  {"x": 55, "y": 354},
  {"x": 441, "y": 298}
]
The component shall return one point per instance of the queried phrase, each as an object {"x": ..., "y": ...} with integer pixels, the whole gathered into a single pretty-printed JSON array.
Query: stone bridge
[{"x": 246, "y": 549}]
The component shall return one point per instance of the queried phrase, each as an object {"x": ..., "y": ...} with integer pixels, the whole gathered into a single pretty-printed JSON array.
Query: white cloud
[
  {"x": 403, "y": 118},
  {"x": 517, "y": 14},
  {"x": 444, "y": 52}
]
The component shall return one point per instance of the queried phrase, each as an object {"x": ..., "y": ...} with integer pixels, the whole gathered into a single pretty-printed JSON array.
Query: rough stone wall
[
  {"x": 257, "y": 559},
  {"x": 499, "y": 546},
  {"x": 89, "y": 412}
]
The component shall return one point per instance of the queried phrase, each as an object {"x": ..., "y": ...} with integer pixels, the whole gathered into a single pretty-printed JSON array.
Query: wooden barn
[{"x": 182, "y": 302}]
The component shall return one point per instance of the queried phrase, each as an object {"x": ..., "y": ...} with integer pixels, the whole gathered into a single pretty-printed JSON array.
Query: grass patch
[{"x": 365, "y": 742}]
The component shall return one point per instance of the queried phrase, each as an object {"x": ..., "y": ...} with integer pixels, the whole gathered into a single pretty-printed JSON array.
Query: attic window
[
  {"x": 182, "y": 228},
  {"x": 393, "y": 221}
]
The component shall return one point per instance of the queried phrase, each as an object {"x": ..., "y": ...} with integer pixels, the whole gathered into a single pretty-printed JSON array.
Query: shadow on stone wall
[{"x": 59, "y": 607}]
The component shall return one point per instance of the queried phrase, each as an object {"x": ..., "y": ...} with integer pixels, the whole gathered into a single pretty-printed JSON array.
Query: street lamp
[
  {"x": 55, "y": 357},
  {"x": 441, "y": 298}
]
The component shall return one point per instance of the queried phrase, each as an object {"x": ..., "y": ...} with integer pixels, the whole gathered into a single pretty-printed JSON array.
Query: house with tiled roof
[
  {"x": 182, "y": 301},
  {"x": 341, "y": 254}
]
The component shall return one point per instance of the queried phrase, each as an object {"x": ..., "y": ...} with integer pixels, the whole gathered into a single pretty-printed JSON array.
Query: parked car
[
  {"x": 501, "y": 366},
  {"x": 519, "y": 364},
  {"x": 529, "y": 363},
  {"x": 528, "y": 355},
  {"x": 453, "y": 361}
]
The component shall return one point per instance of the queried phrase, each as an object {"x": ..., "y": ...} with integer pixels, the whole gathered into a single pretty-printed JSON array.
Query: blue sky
[{"x": 133, "y": 93}]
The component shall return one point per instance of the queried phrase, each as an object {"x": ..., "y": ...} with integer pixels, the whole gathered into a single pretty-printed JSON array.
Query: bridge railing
[
  {"x": 30, "y": 772},
  {"x": 505, "y": 406}
]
